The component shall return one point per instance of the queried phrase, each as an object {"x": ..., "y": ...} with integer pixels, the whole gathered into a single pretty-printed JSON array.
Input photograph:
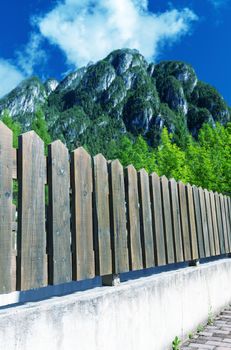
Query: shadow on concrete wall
[{"x": 19, "y": 298}]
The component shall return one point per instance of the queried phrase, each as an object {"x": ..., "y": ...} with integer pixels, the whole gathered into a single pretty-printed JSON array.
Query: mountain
[{"x": 121, "y": 94}]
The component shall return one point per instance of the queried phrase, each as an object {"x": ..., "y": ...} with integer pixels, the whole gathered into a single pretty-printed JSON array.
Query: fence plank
[
  {"x": 176, "y": 220},
  {"x": 219, "y": 222},
  {"x": 192, "y": 223},
  {"x": 224, "y": 223},
  {"x": 102, "y": 217},
  {"x": 209, "y": 221},
  {"x": 82, "y": 228},
  {"x": 32, "y": 271},
  {"x": 157, "y": 215},
  {"x": 168, "y": 227},
  {"x": 184, "y": 221},
  {"x": 146, "y": 218},
  {"x": 214, "y": 222},
  {"x": 59, "y": 231},
  {"x": 118, "y": 218},
  {"x": 227, "y": 221},
  {"x": 6, "y": 193},
  {"x": 133, "y": 218},
  {"x": 204, "y": 222},
  {"x": 197, "y": 206}
]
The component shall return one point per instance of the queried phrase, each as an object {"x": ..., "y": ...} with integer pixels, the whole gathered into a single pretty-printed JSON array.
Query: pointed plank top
[
  {"x": 5, "y": 129},
  {"x": 31, "y": 135},
  {"x": 99, "y": 158},
  {"x": 164, "y": 178},
  {"x": 80, "y": 151},
  {"x": 130, "y": 168},
  {"x": 57, "y": 144},
  {"x": 155, "y": 176},
  {"x": 116, "y": 164},
  {"x": 172, "y": 181},
  {"x": 143, "y": 172}
]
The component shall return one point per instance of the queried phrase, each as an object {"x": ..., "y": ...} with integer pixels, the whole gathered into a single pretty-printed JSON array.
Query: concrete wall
[{"x": 142, "y": 314}]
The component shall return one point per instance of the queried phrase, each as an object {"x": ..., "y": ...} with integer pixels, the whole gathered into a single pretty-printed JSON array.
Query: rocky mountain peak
[
  {"x": 25, "y": 97},
  {"x": 119, "y": 94},
  {"x": 50, "y": 85}
]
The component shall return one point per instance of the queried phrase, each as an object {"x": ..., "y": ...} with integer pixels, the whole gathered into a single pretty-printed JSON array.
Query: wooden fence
[{"x": 99, "y": 218}]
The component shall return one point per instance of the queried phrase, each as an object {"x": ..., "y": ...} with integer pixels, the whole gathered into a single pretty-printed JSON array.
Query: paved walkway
[{"x": 216, "y": 336}]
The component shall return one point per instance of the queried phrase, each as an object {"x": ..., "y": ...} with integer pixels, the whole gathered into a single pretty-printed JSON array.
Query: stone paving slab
[{"x": 216, "y": 336}]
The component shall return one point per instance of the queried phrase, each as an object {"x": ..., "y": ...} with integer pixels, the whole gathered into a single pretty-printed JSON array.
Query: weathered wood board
[
  {"x": 167, "y": 218},
  {"x": 133, "y": 219},
  {"x": 192, "y": 222},
  {"x": 175, "y": 207},
  {"x": 146, "y": 219},
  {"x": 6, "y": 193},
  {"x": 32, "y": 267},
  {"x": 184, "y": 221},
  {"x": 59, "y": 231},
  {"x": 118, "y": 218},
  {"x": 82, "y": 217},
  {"x": 102, "y": 217},
  {"x": 157, "y": 214}
]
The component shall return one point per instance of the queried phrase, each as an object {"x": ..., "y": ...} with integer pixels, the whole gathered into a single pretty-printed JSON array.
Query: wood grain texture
[
  {"x": 219, "y": 224},
  {"x": 225, "y": 198},
  {"x": 184, "y": 221},
  {"x": 59, "y": 231},
  {"x": 133, "y": 218},
  {"x": 204, "y": 222},
  {"x": 157, "y": 215},
  {"x": 146, "y": 219},
  {"x": 102, "y": 217},
  {"x": 198, "y": 220},
  {"x": 168, "y": 226},
  {"x": 14, "y": 159},
  {"x": 214, "y": 222},
  {"x": 192, "y": 222},
  {"x": 229, "y": 214},
  {"x": 32, "y": 269},
  {"x": 6, "y": 193},
  {"x": 175, "y": 208},
  {"x": 82, "y": 218},
  {"x": 224, "y": 223},
  {"x": 118, "y": 218},
  {"x": 209, "y": 221}
]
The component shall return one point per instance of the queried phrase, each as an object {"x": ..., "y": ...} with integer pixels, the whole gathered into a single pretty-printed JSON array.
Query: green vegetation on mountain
[{"x": 156, "y": 116}]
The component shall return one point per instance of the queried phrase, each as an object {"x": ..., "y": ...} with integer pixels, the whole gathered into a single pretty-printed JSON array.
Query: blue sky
[{"x": 51, "y": 38}]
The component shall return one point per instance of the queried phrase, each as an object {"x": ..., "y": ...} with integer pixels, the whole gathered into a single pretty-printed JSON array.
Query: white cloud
[
  {"x": 31, "y": 54},
  {"x": 25, "y": 60},
  {"x": 218, "y": 3},
  {"x": 88, "y": 30},
  {"x": 10, "y": 77}
]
